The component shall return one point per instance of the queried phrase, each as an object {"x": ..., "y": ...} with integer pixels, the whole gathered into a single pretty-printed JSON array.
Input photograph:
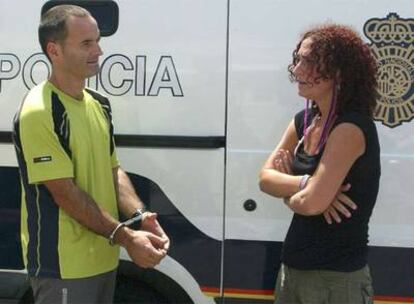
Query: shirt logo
[
  {"x": 42, "y": 159},
  {"x": 392, "y": 44}
]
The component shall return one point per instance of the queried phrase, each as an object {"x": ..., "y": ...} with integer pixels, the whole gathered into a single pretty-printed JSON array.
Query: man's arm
[
  {"x": 129, "y": 202},
  {"x": 142, "y": 246},
  {"x": 79, "y": 205}
]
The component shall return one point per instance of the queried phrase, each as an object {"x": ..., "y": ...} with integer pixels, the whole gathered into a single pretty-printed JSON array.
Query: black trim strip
[
  {"x": 6, "y": 137},
  {"x": 156, "y": 141},
  {"x": 162, "y": 141}
]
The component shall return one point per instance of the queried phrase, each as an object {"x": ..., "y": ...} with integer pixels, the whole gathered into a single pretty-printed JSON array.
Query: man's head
[
  {"x": 53, "y": 27},
  {"x": 69, "y": 36}
]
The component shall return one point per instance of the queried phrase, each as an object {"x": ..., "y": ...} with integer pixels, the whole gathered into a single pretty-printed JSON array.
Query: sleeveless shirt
[{"x": 311, "y": 243}]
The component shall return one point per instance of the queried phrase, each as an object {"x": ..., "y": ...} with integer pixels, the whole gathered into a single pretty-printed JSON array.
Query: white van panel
[
  {"x": 8, "y": 155},
  {"x": 185, "y": 176},
  {"x": 21, "y": 42},
  {"x": 193, "y": 34}
]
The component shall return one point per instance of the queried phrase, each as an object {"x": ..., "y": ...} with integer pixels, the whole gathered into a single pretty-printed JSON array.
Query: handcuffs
[{"x": 134, "y": 222}]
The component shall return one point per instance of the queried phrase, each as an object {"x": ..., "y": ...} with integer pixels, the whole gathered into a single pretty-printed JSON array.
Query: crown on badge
[{"x": 390, "y": 30}]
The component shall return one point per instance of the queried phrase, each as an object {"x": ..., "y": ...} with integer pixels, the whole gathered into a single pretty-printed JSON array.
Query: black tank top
[{"x": 311, "y": 243}]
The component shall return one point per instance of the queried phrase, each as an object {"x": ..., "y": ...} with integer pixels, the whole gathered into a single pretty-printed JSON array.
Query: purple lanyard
[{"x": 328, "y": 121}]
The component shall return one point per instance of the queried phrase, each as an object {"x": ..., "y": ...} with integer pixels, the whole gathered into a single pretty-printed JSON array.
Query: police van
[{"x": 200, "y": 96}]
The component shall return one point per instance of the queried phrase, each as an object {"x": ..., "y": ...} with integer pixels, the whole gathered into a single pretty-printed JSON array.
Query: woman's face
[{"x": 310, "y": 83}]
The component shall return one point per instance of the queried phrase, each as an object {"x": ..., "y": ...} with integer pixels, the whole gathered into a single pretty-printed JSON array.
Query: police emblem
[{"x": 392, "y": 42}]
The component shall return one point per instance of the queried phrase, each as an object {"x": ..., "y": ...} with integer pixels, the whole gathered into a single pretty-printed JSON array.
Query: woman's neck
[{"x": 324, "y": 105}]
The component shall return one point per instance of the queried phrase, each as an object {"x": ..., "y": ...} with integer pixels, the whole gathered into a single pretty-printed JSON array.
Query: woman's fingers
[
  {"x": 345, "y": 200},
  {"x": 334, "y": 214},
  {"x": 338, "y": 205},
  {"x": 283, "y": 161},
  {"x": 331, "y": 215},
  {"x": 327, "y": 216},
  {"x": 345, "y": 187},
  {"x": 288, "y": 159}
]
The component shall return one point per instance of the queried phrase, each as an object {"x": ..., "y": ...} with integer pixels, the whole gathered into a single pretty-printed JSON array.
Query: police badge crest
[{"x": 392, "y": 42}]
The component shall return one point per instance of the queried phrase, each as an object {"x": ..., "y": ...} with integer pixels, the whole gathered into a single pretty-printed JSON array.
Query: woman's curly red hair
[{"x": 337, "y": 48}]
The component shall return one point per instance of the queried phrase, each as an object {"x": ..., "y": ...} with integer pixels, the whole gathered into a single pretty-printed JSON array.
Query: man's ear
[{"x": 53, "y": 49}]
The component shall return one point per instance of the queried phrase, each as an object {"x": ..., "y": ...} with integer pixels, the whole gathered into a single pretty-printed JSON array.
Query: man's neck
[{"x": 69, "y": 85}]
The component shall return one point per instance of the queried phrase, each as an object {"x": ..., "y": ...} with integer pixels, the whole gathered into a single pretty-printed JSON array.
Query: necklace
[{"x": 315, "y": 121}]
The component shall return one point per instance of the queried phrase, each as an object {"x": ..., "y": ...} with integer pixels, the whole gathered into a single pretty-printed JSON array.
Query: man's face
[{"x": 80, "y": 51}]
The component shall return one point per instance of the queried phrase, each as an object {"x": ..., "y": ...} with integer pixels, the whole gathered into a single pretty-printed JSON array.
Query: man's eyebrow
[
  {"x": 91, "y": 40},
  {"x": 86, "y": 41}
]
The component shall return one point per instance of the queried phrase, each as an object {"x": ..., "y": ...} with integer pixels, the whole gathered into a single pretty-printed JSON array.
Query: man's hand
[
  {"x": 150, "y": 224},
  {"x": 149, "y": 245},
  {"x": 144, "y": 248},
  {"x": 340, "y": 206}
]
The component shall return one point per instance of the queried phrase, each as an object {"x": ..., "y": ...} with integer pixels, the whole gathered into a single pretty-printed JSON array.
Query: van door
[
  {"x": 262, "y": 102},
  {"x": 164, "y": 71}
]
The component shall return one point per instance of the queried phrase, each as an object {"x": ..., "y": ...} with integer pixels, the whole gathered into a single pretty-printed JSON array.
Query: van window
[{"x": 106, "y": 12}]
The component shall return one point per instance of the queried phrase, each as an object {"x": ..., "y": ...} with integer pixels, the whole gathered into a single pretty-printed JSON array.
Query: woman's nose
[{"x": 297, "y": 70}]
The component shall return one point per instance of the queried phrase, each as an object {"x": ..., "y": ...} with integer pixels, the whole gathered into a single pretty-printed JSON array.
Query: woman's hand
[
  {"x": 340, "y": 206},
  {"x": 283, "y": 161}
]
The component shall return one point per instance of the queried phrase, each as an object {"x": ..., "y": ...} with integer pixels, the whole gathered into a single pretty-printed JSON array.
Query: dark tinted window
[{"x": 105, "y": 12}]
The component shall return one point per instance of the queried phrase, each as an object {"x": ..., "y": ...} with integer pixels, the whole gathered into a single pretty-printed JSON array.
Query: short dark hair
[
  {"x": 340, "y": 48},
  {"x": 52, "y": 25}
]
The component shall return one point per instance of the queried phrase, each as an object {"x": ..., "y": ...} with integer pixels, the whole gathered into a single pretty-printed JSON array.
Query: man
[{"x": 72, "y": 184}]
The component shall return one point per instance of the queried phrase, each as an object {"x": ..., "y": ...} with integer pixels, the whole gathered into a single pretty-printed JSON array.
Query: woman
[{"x": 328, "y": 148}]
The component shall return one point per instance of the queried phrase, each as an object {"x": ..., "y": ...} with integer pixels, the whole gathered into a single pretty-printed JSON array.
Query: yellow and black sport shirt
[{"x": 56, "y": 136}]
